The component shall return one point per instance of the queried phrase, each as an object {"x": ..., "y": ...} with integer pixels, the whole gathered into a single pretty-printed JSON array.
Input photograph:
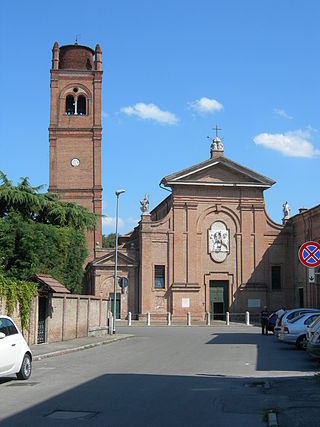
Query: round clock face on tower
[{"x": 75, "y": 162}]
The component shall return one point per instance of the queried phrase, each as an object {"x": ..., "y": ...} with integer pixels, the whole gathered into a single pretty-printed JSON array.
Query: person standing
[
  {"x": 280, "y": 312},
  {"x": 264, "y": 318}
]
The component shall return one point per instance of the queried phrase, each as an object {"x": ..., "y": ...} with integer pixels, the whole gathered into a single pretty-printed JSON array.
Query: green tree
[
  {"x": 42, "y": 207},
  {"x": 109, "y": 241},
  {"x": 40, "y": 234}
]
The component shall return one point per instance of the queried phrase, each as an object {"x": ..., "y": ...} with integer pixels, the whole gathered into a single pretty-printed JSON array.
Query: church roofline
[
  {"x": 164, "y": 201},
  {"x": 308, "y": 211},
  {"x": 219, "y": 184},
  {"x": 128, "y": 260},
  {"x": 174, "y": 179}
]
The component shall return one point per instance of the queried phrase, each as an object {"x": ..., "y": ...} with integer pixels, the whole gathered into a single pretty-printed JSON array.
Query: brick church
[{"x": 208, "y": 248}]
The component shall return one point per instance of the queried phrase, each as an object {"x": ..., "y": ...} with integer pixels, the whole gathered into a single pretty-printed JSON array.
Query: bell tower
[{"x": 75, "y": 130}]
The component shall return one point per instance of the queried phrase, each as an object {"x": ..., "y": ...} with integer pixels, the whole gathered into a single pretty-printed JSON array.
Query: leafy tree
[
  {"x": 109, "y": 241},
  {"x": 42, "y": 207},
  {"x": 40, "y": 234}
]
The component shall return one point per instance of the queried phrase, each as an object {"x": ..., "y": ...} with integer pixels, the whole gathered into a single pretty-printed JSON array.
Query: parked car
[
  {"x": 313, "y": 345},
  {"x": 294, "y": 331},
  {"x": 272, "y": 321},
  {"x": 312, "y": 328},
  {"x": 289, "y": 315},
  {"x": 15, "y": 354}
]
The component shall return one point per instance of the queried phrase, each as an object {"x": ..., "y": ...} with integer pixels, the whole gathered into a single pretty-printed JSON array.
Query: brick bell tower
[{"x": 75, "y": 130}]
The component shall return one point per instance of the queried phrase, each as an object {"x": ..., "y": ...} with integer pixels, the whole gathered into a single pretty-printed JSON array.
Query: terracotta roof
[{"x": 52, "y": 283}]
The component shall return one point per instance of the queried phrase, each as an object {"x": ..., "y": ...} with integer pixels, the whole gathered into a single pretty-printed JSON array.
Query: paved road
[{"x": 177, "y": 376}]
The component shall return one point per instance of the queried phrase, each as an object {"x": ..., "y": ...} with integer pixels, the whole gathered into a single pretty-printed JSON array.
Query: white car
[
  {"x": 294, "y": 331},
  {"x": 290, "y": 315},
  {"x": 15, "y": 354}
]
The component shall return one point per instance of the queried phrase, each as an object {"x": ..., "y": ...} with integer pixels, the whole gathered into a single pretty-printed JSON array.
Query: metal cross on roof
[{"x": 216, "y": 129}]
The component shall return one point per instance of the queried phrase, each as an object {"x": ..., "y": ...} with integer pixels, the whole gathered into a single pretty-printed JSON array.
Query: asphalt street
[{"x": 168, "y": 376}]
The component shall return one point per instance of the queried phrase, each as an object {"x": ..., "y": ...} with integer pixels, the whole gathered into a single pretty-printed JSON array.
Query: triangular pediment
[
  {"x": 109, "y": 260},
  {"x": 220, "y": 173},
  {"x": 216, "y": 172}
]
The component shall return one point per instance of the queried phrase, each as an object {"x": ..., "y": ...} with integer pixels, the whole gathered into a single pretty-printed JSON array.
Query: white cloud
[
  {"x": 104, "y": 114},
  {"x": 110, "y": 222},
  {"x": 282, "y": 113},
  {"x": 206, "y": 105},
  {"x": 291, "y": 144},
  {"x": 150, "y": 112}
]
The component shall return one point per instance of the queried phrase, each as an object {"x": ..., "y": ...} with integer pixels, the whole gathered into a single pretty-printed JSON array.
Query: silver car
[
  {"x": 15, "y": 354},
  {"x": 294, "y": 331},
  {"x": 312, "y": 328},
  {"x": 289, "y": 315},
  {"x": 313, "y": 346}
]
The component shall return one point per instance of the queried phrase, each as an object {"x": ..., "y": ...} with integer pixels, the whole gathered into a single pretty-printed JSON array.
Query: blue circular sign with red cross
[{"x": 309, "y": 254}]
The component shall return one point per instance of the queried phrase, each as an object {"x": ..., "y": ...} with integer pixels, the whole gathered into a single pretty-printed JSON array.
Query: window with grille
[{"x": 159, "y": 276}]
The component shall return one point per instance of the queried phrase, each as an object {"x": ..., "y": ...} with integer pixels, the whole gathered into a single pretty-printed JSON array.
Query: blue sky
[{"x": 172, "y": 71}]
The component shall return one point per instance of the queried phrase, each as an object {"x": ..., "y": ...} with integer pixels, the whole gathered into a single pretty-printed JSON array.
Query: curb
[{"x": 80, "y": 348}]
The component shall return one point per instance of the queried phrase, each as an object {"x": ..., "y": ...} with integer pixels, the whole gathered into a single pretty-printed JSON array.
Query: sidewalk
[{"x": 41, "y": 351}]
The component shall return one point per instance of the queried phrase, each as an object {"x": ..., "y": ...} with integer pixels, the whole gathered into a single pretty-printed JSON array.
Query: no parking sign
[{"x": 309, "y": 254}]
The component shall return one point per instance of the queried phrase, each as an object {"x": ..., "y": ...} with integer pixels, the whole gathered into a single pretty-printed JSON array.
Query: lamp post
[{"x": 118, "y": 192}]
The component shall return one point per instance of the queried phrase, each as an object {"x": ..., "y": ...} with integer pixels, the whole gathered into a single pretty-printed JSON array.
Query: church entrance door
[{"x": 219, "y": 299}]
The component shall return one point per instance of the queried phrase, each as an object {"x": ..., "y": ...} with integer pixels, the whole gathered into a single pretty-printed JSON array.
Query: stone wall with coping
[{"x": 68, "y": 317}]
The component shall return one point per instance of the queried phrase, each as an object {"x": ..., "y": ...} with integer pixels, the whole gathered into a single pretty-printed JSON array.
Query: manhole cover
[
  {"x": 72, "y": 415},
  {"x": 22, "y": 384}
]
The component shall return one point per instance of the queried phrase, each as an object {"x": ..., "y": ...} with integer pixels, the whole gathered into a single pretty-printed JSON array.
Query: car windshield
[
  {"x": 293, "y": 315},
  {"x": 295, "y": 319},
  {"x": 302, "y": 312},
  {"x": 316, "y": 320}
]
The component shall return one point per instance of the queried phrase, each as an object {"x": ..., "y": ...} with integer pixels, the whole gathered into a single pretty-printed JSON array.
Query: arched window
[
  {"x": 70, "y": 105},
  {"x": 81, "y": 105}
]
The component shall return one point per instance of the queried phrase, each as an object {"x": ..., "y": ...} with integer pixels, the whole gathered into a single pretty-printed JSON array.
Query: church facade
[{"x": 208, "y": 248}]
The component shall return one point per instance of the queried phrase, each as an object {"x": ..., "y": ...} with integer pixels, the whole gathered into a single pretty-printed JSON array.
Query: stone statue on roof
[
  {"x": 286, "y": 210},
  {"x": 144, "y": 204}
]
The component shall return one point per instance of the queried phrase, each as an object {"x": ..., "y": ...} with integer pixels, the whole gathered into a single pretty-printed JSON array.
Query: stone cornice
[
  {"x": 185, "y": 287},
  {"x": 72, "y": 190},
  {"x": 218, "y": 184}
]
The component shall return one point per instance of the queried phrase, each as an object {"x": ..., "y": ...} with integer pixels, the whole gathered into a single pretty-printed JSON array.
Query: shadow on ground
[
  {"x": 162, "y": 400},
  {"x": 272, "y": 354}
]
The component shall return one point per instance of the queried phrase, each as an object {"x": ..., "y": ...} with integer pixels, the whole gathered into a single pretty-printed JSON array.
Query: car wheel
[
  {"x": 301, "y": 342},
  {"x": 26, "y": 367}
]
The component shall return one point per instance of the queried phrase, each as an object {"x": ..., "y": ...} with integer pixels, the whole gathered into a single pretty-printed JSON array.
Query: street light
[{"x": 118, "y": 192}]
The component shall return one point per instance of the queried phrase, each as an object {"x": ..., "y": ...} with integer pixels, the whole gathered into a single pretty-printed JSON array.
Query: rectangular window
[
  {"x": 276, "y": 277},
  {"x": 159, "y": 280},
  {"x": 301, "y": 299}
]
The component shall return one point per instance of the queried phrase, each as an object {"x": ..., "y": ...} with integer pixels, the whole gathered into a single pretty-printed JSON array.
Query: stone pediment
[
  {"x": 108, "y": 260},
  {"x": 218, "y": 172}
]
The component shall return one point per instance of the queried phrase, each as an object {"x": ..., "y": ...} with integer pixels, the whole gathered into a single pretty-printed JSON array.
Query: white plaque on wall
[
  {"x": 218, "y": 241},
  {"x": 254, "y": 303},
  {"x": 185, "y": 302}
]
